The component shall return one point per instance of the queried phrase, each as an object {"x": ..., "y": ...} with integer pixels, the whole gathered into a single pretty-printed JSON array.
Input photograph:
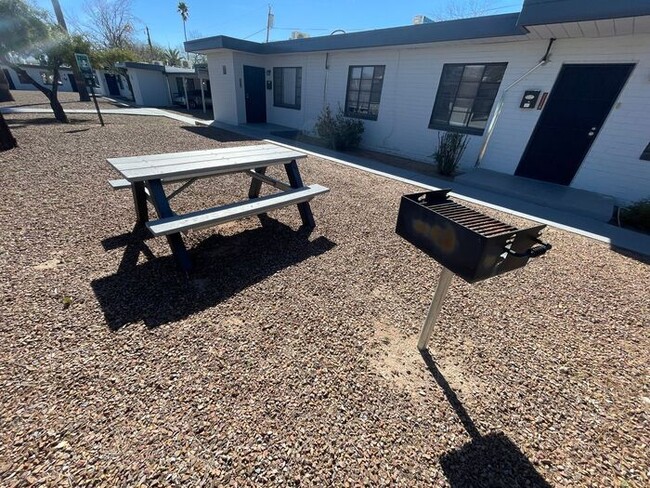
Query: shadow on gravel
[
  {"x": 218, "y": 134},
  {"x": 492, "y": 460},
  {"x": 16, "y": 123},
  {"x": 157, "y": 293}
]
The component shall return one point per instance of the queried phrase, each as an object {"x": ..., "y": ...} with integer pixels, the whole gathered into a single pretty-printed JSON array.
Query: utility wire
[{"x": 255, "y": 33}]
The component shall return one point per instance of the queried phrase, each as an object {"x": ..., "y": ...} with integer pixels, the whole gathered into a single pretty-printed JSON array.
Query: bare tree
[
  {"x": 456, "y": 9},
  {"x": 110, "y": 23}
]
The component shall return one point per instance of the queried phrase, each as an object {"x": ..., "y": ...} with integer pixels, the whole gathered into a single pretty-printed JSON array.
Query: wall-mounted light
[{"x": 268, "y": 72}]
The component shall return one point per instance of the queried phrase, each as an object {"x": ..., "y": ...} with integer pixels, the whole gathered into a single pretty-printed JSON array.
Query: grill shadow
[{"x": 492, "y": 460}]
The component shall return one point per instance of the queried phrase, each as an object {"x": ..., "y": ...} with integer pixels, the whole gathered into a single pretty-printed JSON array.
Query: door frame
[{"x": 631, "y": 64}]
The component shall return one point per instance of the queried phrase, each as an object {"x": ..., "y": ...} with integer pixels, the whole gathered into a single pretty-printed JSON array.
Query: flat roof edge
[
  {"x": 494, "y": 26},
  {"x": 538, "y": 12}
]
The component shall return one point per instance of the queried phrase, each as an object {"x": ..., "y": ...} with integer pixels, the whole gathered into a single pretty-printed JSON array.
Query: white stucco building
[{"x": 558, "y": 92}]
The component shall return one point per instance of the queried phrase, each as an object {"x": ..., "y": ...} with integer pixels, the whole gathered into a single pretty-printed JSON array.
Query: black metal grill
[{"x": 468, "y": 243}]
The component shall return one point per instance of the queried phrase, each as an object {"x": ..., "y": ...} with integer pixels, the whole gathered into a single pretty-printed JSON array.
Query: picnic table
[{"x": 147, "y": 176}]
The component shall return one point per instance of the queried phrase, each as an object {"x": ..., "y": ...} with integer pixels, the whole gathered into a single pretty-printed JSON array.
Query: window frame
[
  {"x": 278, "y": 88},
  {"x": 464, "y": 129},
  {"x": 358, "y": 115}
]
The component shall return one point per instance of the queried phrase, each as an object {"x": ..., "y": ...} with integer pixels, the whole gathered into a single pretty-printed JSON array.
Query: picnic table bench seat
[{"x": 227, "y": 213}]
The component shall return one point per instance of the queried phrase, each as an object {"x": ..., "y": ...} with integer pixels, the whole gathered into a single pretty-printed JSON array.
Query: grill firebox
[
  {"x": 468, "y": 243},
  {"x": 465, "y": 242}
]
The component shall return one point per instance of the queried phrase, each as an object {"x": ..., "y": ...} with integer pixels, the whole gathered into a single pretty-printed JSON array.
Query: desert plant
[
  {"x": 451, "y": 146},
  {"x": 637, "y": 215},
  {"x": 340, "y": 132}
]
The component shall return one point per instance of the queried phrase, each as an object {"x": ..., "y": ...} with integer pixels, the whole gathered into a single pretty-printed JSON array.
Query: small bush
[
  {"x": 451, "y": 146},
  {"x": 637, "y": 215},
  {"x": 340, "y": 132}
]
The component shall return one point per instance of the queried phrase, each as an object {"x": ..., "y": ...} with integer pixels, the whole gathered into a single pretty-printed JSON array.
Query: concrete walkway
[
  {"x": 157, "y": 112},
  {"x": 562, "y": 218},
  {"x": 570, "y": 215}
]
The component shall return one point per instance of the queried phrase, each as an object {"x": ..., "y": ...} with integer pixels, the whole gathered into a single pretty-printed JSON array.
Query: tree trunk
[
  {"x": 5, "y": 94},
  {"x": 7, "y": 140},
  {"x": 51, "y": 95},
  {"x": 59, "y": 113}
]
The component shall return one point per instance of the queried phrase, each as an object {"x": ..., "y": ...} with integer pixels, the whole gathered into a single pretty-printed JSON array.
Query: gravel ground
[{"x": 288, "y": 358}]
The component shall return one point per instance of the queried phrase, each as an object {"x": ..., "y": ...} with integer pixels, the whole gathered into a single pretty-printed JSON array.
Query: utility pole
[
  {"x": 269, "y": 23},
  {"x": 59, "y": 15},
  {"x": 149, "y": 42},
  {"x": 80, "y": 81}
]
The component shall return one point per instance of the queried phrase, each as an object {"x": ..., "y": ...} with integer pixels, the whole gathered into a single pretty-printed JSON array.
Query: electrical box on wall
[
  {"x": 529, "y": 99},
  {"x": 269, "y": 85}
]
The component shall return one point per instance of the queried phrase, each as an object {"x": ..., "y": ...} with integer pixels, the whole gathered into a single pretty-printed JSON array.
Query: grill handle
[{"x": 533, "y": 252}]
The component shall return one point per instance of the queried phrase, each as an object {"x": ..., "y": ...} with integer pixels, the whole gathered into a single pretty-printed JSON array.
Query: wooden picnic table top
[{"x": 208, "y": 162}]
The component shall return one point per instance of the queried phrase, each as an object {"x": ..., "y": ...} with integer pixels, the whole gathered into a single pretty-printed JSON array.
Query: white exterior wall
[
  {"x": 124, "y": 89},
  {"x": 312, "y": 93},
  {"x": 411, "y": 79},
  {"x": 150, "y": 87},
  {"x": 612, "y": 165},
  {"x": 222, "y": 87}
]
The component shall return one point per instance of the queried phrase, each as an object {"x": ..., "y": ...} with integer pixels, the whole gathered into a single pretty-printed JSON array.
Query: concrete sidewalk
[{"x": 562, "y": 218}]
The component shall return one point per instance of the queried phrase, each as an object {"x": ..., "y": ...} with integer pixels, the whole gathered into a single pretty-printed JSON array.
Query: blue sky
[{"x": 247, "y": 18}]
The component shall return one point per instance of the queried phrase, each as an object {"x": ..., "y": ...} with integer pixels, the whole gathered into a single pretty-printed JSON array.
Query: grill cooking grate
[{"x": 471, "y": 219}]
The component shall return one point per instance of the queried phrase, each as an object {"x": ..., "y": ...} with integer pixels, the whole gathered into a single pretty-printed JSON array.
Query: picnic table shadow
[
  {"x": 217, "y": 134},
  {"x": 490, "y": 460},
  {"x": 157, "y": 292}
]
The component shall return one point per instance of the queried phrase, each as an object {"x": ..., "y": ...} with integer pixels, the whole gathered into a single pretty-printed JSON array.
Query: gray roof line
[
  {"x": 503, "y": 25},
  {"x": 536, "y": 12},
  {"x": 147, "y": 66}
]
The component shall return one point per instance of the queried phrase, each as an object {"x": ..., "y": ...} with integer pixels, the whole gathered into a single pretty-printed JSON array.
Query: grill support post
[{"x": 434, "y": 310}]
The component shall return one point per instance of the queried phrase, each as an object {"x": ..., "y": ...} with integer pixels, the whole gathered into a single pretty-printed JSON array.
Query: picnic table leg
[
  {"x": 140, "y": 201},
  {"x": 161, "y": 203},
  {"x": 296, "y": 182},
  {"x": 256, "y": 185}
]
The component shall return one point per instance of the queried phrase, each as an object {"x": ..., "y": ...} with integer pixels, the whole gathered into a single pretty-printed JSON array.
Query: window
[
  {"x": 287, "y": 87},
  {"x": 364, "y": 91},
  {"x": 465, "y": 96}
]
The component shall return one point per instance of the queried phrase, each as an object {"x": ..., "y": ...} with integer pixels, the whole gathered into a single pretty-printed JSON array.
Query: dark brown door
[
  {"x": 576, "y": 110},
  {"x": 255, "y": 93}
]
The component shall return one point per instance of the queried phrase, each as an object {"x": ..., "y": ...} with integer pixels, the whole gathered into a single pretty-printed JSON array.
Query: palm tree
[
  {"x": 173, "y": 57},
  {"x": 184, "y": 10}
]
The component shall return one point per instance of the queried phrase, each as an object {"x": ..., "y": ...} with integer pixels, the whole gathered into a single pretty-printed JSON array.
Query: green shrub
[
  {"x": 637, "y": 215},
  {"x": 340, "y": 132},
  {"x": 451, "y": 146}
]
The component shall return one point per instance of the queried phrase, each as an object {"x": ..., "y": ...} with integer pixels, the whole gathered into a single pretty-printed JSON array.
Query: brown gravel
[
  {"x": 290, "y": 359},
  {"x": 35, "y": 99}
]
